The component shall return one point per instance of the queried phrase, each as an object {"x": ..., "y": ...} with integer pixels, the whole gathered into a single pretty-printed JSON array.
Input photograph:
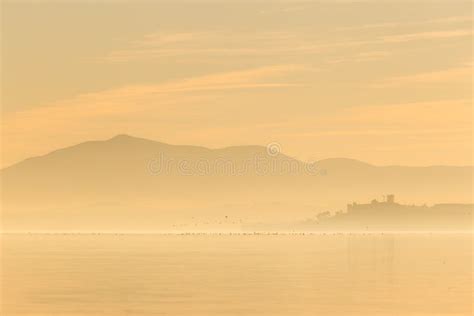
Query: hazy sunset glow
[{"x": 386, "y": 82}]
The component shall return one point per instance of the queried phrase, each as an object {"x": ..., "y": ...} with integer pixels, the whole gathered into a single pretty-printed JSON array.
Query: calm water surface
[{"x": 378, "y": 274}]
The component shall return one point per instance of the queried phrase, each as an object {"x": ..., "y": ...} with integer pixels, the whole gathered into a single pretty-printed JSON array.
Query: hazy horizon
[
  {"x": 264, "y": 112},
  {"x": 236, "y": 157},
  {"x": 128, "y": 183}
]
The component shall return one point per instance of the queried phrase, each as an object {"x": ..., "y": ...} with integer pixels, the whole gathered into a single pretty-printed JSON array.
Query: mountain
[{"x": 132, "y": 183}]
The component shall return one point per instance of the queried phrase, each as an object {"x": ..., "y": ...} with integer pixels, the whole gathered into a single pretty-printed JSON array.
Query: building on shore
[{"x": 390, "y": 215}]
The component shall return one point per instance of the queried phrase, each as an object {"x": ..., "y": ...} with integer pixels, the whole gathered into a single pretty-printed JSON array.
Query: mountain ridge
[
  {"x": 126, "y": 182},
  {"x": 123, "y": 139}
]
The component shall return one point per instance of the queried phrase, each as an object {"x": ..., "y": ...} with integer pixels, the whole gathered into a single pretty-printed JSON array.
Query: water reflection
[{"x": 340, "y": 274}]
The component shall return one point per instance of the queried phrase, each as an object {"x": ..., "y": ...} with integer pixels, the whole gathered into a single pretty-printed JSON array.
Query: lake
[{"x": 320, "y": 274}]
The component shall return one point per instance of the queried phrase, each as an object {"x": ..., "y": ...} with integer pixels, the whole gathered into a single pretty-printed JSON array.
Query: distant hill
[{"x": 134, "y": 183}]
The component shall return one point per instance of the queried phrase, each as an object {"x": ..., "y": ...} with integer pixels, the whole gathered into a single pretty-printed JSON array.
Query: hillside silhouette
[{"x": 134, "y": 183}]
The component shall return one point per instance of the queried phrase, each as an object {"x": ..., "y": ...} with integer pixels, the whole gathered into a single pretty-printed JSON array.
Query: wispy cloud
[
  {"x": 453, "y": 75},
  {"x": 163, "y": 108},
  {"x": 396, "y": 24},
  {"x": 427, "y": 35},
  {"x": 361, "y": 57},
  {"x": 132, "y": 98},
  {"x": 418, "y": 131},
  {"x": 209, "y": 44}
]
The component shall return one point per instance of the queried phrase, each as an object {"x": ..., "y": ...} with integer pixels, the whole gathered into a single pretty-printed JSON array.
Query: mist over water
[
  {"x": 236, "y": 158},
  {"x": 320, "y": 274}
]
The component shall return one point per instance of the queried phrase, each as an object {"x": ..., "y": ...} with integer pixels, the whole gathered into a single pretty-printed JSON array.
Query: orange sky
[{"x": 387, "y": 82}]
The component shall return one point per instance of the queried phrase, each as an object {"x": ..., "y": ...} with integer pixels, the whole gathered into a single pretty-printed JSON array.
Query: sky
[{"x": 386, "y": 82}]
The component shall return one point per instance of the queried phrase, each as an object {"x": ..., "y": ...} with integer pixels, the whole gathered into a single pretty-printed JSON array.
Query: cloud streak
[
  {"x": 162, "y": 107},
  {"x": 452, "y": 75},
  {"x": 397, "y": 24},
  {"x": 206, "y": 44},
  {"x": 133, "y": 98},
  {"x": 427, "y": 36}
]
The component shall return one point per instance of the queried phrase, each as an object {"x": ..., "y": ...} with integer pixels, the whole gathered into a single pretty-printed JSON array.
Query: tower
[{"x": 390, "y": 198}]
